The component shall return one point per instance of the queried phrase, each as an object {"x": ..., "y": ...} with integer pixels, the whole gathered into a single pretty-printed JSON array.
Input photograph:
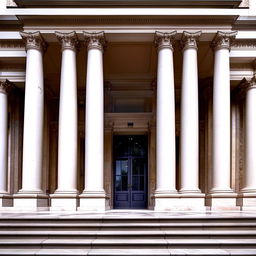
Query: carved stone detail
[
  {"x": 6, "y": 86},
  {"x": 95, "y": 40},
  {"x": 68, "y": 40},
  {"x": 190, "y": 40},
  {"x": 164, "y": 39},
  {"x": 34, "y": 40},
  {"x": 252, "y": 83},
  {"x": 223, "y": 40}
]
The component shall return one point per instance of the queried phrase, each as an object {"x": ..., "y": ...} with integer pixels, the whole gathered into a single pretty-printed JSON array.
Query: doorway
[{"x": 130, "y": 171}]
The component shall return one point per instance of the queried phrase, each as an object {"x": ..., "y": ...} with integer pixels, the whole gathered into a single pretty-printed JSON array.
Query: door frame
[{"x": 147, "y": 193}]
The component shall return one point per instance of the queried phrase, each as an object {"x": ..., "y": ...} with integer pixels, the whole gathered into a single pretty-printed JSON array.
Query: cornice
[
  {"x": 249, "y": 43},
  {"x": 164, "y": 39},
  {"x": 34, "y": 40},
  {"x": 95, "y": 40},
  {"x": 12, "y": 44},
  {"x": 223, "y": 40},
  {"x": 68, "y": 40}
]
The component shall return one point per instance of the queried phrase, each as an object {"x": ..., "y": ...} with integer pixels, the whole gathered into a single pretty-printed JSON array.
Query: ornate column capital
[
  {"x": 164, "y": 39},
  {"x": 6, "y": 86},
  {"x": 68, "y": 40},
  {"x": 190, "y": 40},
  {"x": 223, "y": 40},
  {"x": 252, "y": 83},
  {"x": 34, "y": 40},
  {"x": 95, "y": 40}
]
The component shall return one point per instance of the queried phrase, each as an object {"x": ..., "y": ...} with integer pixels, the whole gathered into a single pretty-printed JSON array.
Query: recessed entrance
[{"x": 130, "y": 171}]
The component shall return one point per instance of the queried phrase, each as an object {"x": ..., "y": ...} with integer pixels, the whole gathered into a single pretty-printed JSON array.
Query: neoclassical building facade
[{"x": 128, "y": 105}]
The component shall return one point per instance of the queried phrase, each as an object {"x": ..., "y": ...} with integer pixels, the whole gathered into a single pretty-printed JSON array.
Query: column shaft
[
  {"x": 94, "y": 122},
  {"x": 33, "y": 123},
  {"x": 4, "y": 85},
  {"x": 250, "y": 139},
  {"x": 221, "y": 122}
]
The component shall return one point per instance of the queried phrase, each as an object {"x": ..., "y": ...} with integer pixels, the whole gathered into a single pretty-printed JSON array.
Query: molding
[
  {"x": 164, "y": 39},
  {"x": 34, "y": 40},
  {"x": 95, "y": 40},
  {"x": 89, "y": 3},
  {"x": 189, "y": 40},
  {"x": 12, "y": 44},
  {"x": 68, "y": 40},
  {"x": 223, "y": 40},
  {"x": 244, "y": 44}
]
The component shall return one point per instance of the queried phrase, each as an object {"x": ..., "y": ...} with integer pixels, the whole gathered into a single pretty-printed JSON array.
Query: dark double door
[{"x": 130, "y": 171}]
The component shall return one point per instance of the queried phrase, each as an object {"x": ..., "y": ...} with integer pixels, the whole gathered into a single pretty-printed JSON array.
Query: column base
[
  {"x": 31, "y": 202},
  {"x": 179, "y": 202},
  {"x": 63, "y": 201},
  {"x": 92, "y": 201},
  {"x": 247, "y": 201},
  {"x": 6, "y": 200},
  {"x": 222, "y": 201}
]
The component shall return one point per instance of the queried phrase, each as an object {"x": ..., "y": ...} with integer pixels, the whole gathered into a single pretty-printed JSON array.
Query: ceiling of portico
[{"x": 126, "y": 65}]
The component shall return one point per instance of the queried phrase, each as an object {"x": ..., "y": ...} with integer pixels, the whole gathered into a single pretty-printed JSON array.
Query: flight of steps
[{"x": 127, "y": 235}]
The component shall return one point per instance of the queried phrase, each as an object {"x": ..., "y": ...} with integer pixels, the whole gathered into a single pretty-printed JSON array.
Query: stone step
[
  {"x": 129, "y": 233},
  {"x": 72, "y": 242},
  {"x": 127, "y": 252}
]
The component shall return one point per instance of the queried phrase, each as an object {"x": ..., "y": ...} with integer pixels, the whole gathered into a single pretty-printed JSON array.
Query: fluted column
[
  {"x": 189, "y": 133},
  {"x": 93, "y": 197},
  {"x": 65, "y": 197},
  {"x": 221, "y": 171},
  {"x": 33, "y": 124},
  {"x": 249, "y": 177}
]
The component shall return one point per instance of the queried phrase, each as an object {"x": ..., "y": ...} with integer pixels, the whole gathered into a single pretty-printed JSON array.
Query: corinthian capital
[
  {"x": 68, "y": 40},
  {"x": 252, "y": 83},
  {"x": 223, "y": 40},
  {"x": 95, "y": 40},
  {"x": 6, "y": 86},
  {"x": 165, "y": 39},
  {"x": 190, "y": 40},
  {"x": 34, "y": 40}
]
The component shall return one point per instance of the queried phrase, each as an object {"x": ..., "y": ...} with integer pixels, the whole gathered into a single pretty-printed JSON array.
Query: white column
[
  {"x": 4, "y": 87},
  {"x": 33, "y": 124},
  {"x": 65, "y": 197},
  {"x": 249, "y": 178},
  {"x": 165, "y": 145},
  {"x": 250, "y": 139},
  {"x": 93, "y": 197},
  {"x": 221, "y": 170},
  {"x": 189, "y": 133},
  {"x": 165, "y": 122}
]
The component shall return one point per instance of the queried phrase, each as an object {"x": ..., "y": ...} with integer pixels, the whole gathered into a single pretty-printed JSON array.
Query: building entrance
[{"x": 130, "y": 171}]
